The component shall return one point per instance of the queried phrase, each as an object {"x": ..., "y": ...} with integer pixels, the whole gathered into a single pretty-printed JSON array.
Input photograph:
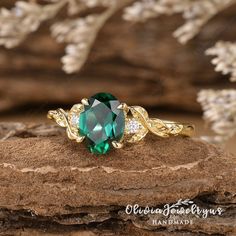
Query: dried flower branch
[
  {"x": 76, "y": 6},
  {"x": 220, "y": 106},
  {"x": 225, "y": 59},
  {"x": 195, "y": 12},
  {"x": 80, "y": 35},
  {"x": 220, "y": 111},
  {"x": 24, "y": 18},
  {"x": 143, "y": 10}
]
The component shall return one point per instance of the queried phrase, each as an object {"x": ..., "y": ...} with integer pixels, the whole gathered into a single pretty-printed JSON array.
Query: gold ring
[{"x": 104, "y": 122}]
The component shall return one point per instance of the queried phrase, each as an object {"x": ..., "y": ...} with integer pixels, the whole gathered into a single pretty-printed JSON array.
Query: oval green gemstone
[{"x": 101, "y": 122}]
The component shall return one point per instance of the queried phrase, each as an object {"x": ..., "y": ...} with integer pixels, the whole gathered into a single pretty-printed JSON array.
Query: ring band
[{"x": 105, "y": 122}]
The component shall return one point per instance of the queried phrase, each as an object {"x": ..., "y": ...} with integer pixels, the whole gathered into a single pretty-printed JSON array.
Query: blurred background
[{"x": 141, "y": 64}]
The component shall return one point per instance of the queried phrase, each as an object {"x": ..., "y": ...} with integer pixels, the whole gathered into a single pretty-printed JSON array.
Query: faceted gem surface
[{"x": 102, "y": 122}]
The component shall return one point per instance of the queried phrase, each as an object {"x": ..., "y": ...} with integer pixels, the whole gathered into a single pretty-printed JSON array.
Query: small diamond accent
[
  {"x": 133, "y": 126},
  {"x": 75, "y": 119}
]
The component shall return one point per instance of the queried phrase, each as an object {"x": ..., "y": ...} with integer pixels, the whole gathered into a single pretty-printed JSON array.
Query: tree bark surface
[
  {"x": 52, "y": 186},
  {"x": 140, "y": 63}
]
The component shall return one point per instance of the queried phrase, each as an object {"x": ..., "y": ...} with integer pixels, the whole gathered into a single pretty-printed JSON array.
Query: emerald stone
[{"x": 101, "y": 122}]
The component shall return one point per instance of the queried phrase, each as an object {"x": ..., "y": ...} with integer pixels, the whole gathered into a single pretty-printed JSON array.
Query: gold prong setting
[
  {"x": 117, "y": 145},
  {"x": 124, "y": 107},
  {"x": 85, "y": 101},
  {"x": 73, "y": 121}
]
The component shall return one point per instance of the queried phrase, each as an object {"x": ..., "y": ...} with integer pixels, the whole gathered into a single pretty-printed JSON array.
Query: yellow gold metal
[
  {"x": 117, "y": 145},
  {"x": 136, "y": 114},
  {"x": 124, "y": 107},
  {"x": 64, "y": 119},
  {"x": 85, "y": 102},
  {"x": 158, "y": 127}
]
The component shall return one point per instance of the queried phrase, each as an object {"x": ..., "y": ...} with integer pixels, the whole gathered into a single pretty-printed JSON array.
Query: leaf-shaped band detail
[
  {"x": 61, "y": 118},
  {"x": 158, "y": 127}
]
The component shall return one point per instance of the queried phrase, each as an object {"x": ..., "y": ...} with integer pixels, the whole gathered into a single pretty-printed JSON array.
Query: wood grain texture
[
  {"x": 52, "y": 185},
  {"x": 148, "y": 68}
]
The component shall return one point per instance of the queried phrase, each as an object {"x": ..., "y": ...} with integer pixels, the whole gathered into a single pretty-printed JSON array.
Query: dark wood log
[
  {"x": 51, "y": 185},
  {"x": 148, "y": 68}
]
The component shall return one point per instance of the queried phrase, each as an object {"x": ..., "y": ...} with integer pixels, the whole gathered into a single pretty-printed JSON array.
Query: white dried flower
[
  {"x": 220, "y": 112},
  {"x": 80, "y": 35},
  {"x": 95, "y": 3},
  {"x": 225, "y": 58},
  {"x": 220, "y": 106},
  {"x": 143, "y": 10},
  {"x": 24, "y": 18},
  {"x": 77, "y": 6},
  {"x": 195, "y": 12}
]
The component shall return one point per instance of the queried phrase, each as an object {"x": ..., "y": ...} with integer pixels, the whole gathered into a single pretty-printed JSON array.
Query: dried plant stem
[
  {"x": 225, "y": 58},
  {"x": 220, "y": 112},
  {"x": 17, "y": 23},
  {"x": 196, "y": 13},
  {"x": 80, "y": 35}
]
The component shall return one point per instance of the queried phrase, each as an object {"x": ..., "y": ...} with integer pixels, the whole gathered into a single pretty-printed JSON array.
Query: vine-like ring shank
[{"x": 187, "y": 129}]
